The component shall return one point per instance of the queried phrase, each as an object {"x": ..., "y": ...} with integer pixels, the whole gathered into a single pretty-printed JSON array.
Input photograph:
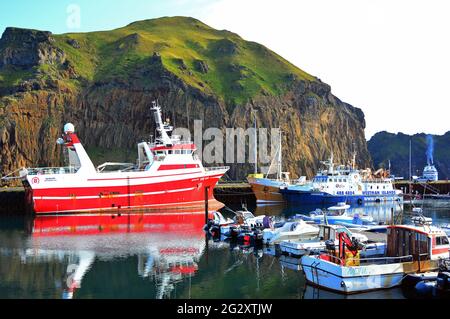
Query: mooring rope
[{"x": 7, "y": 177}]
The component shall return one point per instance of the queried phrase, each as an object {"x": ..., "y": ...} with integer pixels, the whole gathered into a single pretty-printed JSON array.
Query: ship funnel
[{"x": 69, "y": 128}]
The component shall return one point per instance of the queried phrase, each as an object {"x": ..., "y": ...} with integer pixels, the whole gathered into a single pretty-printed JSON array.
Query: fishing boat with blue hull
[{"x": 343, "y": 184}]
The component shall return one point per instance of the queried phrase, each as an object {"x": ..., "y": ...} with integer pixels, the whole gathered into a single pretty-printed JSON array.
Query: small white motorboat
[
  {"x": 291, "y": 230},
  {"x": 246, "y": 218},
  {"x": 334, "y": 214},
  {"x": 421, "y": 220},
  {"x": 220, "y": 225},
  {"x": 225, "y": 224},
  {"x": 318, "y": 243}
]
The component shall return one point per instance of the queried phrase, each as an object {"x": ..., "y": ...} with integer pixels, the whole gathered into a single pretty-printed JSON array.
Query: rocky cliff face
[{"x": 104, "y": 83}]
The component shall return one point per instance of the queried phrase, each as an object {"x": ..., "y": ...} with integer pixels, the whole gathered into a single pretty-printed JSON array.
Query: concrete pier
[{"x": 442, "y": 187}]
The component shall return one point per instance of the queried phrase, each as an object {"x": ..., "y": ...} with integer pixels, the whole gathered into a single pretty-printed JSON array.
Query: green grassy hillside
[{"x": 216, "y": 62}]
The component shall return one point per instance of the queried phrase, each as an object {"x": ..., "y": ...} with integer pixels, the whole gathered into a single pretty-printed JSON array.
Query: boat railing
[
  {"x": 216, "y": 168},
  {"x": 376, "y": 180},
  {"x": 371, "y": 260},
  {"x": 175, "y": 142},
  {"x": 52, "y": 170},
  {"x": 124, "y": 167}
]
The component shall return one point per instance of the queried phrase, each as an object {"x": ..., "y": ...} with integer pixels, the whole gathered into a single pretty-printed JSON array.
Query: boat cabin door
[
  {"x": 326, "y": 232},
  {"x": 407, "y": 242}
]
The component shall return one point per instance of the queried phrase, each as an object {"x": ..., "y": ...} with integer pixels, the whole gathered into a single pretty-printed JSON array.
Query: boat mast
[
  {"x": 256, "y": 146},
  {"x": 331, "y": 167},
  {"x": 410, "y": 160},
  {"x": 354, "y": 157},
  {"x": 160, "y": 125},
  {"x": 279, "y": 158},
  {"x": 410, "y": 176}
]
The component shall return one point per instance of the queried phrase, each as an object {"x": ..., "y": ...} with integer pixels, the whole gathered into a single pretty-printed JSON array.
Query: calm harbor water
[{"x": 137, "y": 257}]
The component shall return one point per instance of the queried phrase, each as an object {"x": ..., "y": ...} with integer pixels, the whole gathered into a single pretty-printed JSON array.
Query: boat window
[
  {"x": 324, "y": 233},
  {"x": 441, "y": 240},
  {"x": 248, "y": 215}
]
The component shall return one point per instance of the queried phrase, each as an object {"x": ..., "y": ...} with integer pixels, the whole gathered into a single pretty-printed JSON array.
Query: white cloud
[{"x": 389, "y": 57}]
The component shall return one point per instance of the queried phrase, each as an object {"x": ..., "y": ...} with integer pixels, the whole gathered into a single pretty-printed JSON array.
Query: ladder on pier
[{"x": 429, "y": 187}]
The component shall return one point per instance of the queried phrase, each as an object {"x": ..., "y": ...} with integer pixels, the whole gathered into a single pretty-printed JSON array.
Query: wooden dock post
[
  {"x": 392, "y": 216},
  {"x": 206, "y": 204}
]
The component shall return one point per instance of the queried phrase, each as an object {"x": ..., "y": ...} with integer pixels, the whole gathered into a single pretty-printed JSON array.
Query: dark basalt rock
[
  {"x": 224, "y": 47},
  {"x": 74, "y": 43},
  {"x": 113, "y": 112},
  {"x": 201, "y": 66},
  {"x": 28, "y": 48}
]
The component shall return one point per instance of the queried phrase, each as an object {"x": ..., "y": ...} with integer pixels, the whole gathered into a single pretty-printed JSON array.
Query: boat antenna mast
[
  {"x": 256, "y": 145},
  {"x": 329, "y": 163},
  {"x": 280, "y": 157},
  {"x": 354, "y": 157},
  {"x": 161, "y": 127}
]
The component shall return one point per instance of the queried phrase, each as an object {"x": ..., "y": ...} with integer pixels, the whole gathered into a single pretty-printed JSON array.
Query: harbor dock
[
  {"x": 12, "y": 200},
  {"x": 234, "y": 192},
  {"x": 429, "y": 188}
]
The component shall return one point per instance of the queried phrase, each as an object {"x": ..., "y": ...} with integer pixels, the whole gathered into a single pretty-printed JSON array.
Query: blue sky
[
  {"x": 389, "y": 58},
  {"x": 52, "y": 15}
]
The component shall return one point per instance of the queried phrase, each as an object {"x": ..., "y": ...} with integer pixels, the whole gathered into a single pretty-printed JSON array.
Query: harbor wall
[
  {"x": 12, "y": 201},
  {"x": 442, "y": 187}
]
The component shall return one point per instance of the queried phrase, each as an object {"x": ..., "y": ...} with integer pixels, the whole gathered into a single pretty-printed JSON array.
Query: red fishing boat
[{"x": 168, "y": 174}]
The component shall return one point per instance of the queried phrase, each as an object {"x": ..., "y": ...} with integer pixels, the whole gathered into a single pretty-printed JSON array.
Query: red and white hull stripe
[{"x": 136, "y": 191}]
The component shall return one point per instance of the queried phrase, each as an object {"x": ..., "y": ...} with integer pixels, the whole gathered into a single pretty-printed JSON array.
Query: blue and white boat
[
  {"x": 342, "y": 184},
  {"x": 337, "y": 214}
]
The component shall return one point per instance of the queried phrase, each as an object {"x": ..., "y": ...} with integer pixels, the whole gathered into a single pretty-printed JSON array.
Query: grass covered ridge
[{"x": 215, "y": 62}]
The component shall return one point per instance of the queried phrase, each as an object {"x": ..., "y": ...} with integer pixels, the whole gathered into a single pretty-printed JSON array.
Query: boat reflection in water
[
  {"x": 381, "y": 212},
  {"x": 311, "y": 292},
  {"x": 168, "y": 246},
  {"x": 270, "y": 210}
]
